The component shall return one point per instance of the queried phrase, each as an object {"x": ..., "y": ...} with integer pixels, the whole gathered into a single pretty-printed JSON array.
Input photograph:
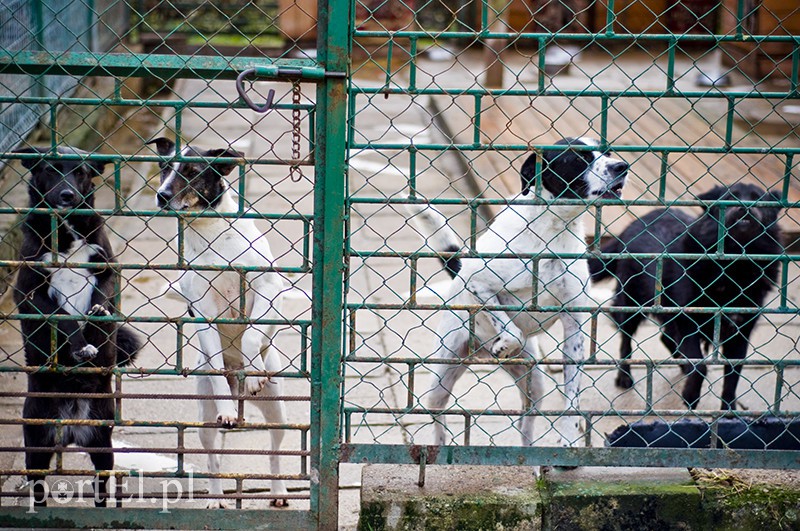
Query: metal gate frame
[
  {"x": 331, "y": 252},
  {"x": 423, "y": 455},
  {"x": 329, "y": 75}
]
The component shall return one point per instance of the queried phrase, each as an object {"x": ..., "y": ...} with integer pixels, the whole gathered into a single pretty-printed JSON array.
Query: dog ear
[
  {"x": 97, "y": 167},
  {"x": 164, "y": 146},
  {"x": 528, "y": 174},
  {"x": 30, "y": 163},
  {"x": 714, "y": 194},
  {"x": 224, "y": 168}
]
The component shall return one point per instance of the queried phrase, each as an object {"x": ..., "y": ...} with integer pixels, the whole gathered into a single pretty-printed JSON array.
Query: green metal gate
[
  {"x": 137, "y": 74},
  {"x": 640, "y": 93},
  {"x": 392, "y": 109}
]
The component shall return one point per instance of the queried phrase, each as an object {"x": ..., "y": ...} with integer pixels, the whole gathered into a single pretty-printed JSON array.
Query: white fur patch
[
  {"x": 173, "y": 174},
  {"x": 71, "y": 288}
]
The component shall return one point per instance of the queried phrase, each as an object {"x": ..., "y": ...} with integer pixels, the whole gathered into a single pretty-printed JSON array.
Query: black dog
[
  {"x": 44, "y": 291},
  {"x": 711, "y": 283}
]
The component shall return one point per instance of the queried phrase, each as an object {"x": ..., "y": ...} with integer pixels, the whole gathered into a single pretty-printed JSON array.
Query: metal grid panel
[
  {"x": 150, "y": 90},
  {"x": 496, "y": 83}
]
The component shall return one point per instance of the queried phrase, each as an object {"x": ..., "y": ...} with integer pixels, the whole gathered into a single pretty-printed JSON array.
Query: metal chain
[{"x": 296, "y": 172}]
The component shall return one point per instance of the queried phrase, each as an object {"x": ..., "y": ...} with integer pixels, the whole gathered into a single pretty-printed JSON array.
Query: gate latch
[{"x": 294, "y": 73}]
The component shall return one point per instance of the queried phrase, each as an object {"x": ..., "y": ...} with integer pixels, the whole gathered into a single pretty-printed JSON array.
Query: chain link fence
[{"x": 390, "y": 147}]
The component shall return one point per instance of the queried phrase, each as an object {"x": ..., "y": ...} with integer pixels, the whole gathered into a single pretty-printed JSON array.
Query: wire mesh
[
  {"x": 445, "y": 103},
  {"x": 673, "y": 92},
  {"x": 165, "y": 455}
]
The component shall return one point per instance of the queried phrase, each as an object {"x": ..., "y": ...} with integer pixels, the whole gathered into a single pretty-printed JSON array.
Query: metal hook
[{"x": 250, "y": 103}]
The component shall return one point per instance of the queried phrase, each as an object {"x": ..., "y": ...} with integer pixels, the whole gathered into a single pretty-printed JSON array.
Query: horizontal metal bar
[
  {"x": 51, "y": 156},
  {"x": 313, "y": 73},
  {"x": 149, "y": 449},
  {"x": 155, "y": 518},
  {"x": 151, "y": 423},
  {"x": 154, "y": 319},
  {"x": 134, "y": 473},
  {"x": 726, "y": 310},
  {"x": 666, "y": 362},
  {"x": 383, "y": 146},
  {"x": 593, "y": 37},
  {"x": 478, "y": 201},
  {"x": 196, "y": 495},
  {"x": 546, "y": 455},
  {"x": 136, "y": 102},
  {"x": 122, "y": 266},
  {"x": 620, "y": 413},
  {"x": 159, "y": 66},
  {"x": 142, "y": 371},
  {"x": 152, "y": 396},
  {"x": 549, "y": 255}
]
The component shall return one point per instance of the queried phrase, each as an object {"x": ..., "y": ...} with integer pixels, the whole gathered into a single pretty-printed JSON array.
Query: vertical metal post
[{"x": 328, "y": 267}]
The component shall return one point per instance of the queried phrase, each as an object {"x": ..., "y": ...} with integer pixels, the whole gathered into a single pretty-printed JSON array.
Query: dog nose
[
  {"x": 163, "y": 197},
  {"x": 619, "y": 167},
  {"x": 67, "y": 196}
]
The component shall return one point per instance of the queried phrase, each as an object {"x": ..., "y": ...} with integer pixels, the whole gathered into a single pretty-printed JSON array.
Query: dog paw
[
  {"x": 86, "y": 353},
  {"x": 219, "y": 504},
  {"x": 624, "y": 379},
  {"x": 254, "y": 384},
  {"x": 570, "y": 434},
  {"x": 227, "y": 421},
  {"x": 279, "y": 503},
  {"x": 98, "y": 309},
  {"x": 506, "y": 346}
]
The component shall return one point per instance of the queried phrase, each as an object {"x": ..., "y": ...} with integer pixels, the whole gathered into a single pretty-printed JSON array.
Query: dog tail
[
  {"x": 433, "y": 227},
  {"x": 129, "y": 343},
  {"x": 601, "y": 269}
]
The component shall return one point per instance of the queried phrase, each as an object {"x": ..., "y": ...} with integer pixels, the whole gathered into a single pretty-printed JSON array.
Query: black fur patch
[
  {"x": 562, "y": 171},
  {"x": 453, "y": 264}
]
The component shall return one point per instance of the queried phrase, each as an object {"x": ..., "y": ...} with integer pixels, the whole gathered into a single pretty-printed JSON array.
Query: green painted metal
[
  {"x": 549, "y": 456},
  {"x": 331, "y": 334},
  {"x": 133, "y": 65},
  {"x": 329, "y": 204}
]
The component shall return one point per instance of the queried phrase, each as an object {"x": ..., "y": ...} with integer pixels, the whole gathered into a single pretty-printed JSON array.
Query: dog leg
[
  {"x": 690, "y": 348},
  {"x": 266, "y": 291},
  {"x": 628, "y": 324},
  {"x": 443, "y": 379},
  {"x": 574, "y": 350},
  {"x": 102, "y": 462},
  {"x": 211, "y": 440},
  {"x": 509, "y": 338},
  {"x": 454, "y": 340},
  {"x": 529, "y": 381},
  {"x": 274, "y": 411},
  {"x": 42, "y": 436},
  {"x": 734, "y": 349},
  {"x": 211, "y": 347}
]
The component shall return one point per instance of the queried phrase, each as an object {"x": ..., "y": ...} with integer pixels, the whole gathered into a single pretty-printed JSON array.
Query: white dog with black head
[
  {"x": 566, "y": 173},
  {"x": 226, "y": 241}
]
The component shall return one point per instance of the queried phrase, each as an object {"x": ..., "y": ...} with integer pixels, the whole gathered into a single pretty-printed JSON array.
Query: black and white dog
[
  {"x": 741, "y": 282},
  {"x": 64, "y": 185},
  {"x": 566, "y": 173},
  {"x": 197, "y": 187}
]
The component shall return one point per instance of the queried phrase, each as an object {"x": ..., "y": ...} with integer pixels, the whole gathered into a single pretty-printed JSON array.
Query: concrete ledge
[
  {"x": 494, "y": 498},
  {"x": 621, "y": 498},
  {"x": 454, "y": 497}
]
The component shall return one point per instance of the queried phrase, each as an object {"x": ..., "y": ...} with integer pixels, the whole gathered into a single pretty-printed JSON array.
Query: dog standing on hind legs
[
  {"x": 201, "y": 187},
  {"x": 566, "y": 173},
  {"x": 62, "y": 186}
]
